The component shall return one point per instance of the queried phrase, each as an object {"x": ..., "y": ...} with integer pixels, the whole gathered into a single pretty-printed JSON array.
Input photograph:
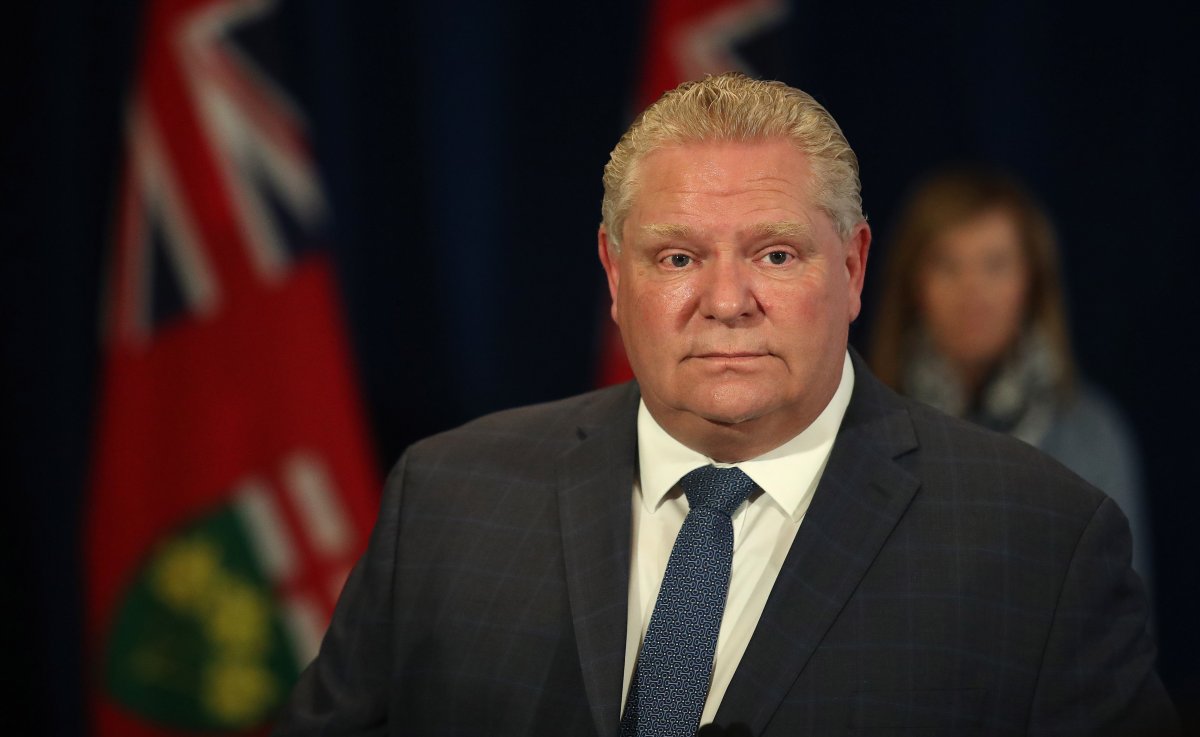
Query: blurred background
[{"x": 450, "y": 158}]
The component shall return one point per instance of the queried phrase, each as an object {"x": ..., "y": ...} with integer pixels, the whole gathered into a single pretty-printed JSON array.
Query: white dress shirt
[{"x": 763, "y": 528}]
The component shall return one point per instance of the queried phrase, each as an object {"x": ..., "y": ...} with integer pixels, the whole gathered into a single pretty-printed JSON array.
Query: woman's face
[{"x": 972, "y": 289}]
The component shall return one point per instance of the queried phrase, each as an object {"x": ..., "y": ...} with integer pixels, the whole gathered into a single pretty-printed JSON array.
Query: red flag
[
  {"x": 686, "y": 39},
  {"x": 233, "y": 487}
]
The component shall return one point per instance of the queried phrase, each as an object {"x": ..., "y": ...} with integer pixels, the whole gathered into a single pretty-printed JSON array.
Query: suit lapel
[
  {"x": 595, "y": 483},
  {"x": 860, "y": 498}
]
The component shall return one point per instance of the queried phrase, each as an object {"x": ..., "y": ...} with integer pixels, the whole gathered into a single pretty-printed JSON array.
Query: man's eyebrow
[
  {"x": 781, "y": 229},
  {"x": 667, "y": 230},
  {"x": 778, "y": 229}
]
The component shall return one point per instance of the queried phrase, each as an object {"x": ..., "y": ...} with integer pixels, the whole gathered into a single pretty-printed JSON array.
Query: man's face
[{"x": 732, "y": 290}]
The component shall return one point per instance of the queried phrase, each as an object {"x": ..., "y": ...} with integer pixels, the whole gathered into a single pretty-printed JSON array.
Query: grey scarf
[{"x": 1020, "y": 397}]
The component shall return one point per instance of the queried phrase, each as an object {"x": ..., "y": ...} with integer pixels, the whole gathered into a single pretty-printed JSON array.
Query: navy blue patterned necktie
[{"x": 674, "y": 667}]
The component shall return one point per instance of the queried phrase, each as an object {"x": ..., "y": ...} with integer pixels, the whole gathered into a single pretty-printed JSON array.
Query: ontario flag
[
  {"x": 233, "y": 488},
  {"x": 685, "y": 40}
]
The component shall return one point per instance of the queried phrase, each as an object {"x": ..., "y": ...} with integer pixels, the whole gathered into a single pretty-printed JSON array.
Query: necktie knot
[{"x": 722, "y": 489}]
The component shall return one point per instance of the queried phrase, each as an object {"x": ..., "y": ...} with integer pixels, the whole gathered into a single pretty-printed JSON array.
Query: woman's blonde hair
[
  {"x": 942, "y": 202},
  {"x": 734, "y": 107}
]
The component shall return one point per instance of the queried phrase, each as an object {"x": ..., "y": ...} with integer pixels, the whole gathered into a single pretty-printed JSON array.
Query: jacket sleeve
[
  {"x": 344, "y": 691},
  {"x": 1097, "y": 670}
]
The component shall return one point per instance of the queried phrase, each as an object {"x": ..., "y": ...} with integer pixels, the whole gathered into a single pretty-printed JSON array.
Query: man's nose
[{"x": 728, "y": 291}]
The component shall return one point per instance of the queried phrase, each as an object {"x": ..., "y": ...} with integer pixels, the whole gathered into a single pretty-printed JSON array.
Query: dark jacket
[{"x": 945, "y": 580}]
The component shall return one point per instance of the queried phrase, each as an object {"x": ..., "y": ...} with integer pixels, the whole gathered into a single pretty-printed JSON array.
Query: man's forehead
[
  {"x": 722, "y": 168},
  {"x": 672, "y": 183}
]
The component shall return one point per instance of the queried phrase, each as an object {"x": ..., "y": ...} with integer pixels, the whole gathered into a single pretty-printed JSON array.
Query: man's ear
[
  {"x": 857, "y": 247},
  {"x": 608, "y": 258}
]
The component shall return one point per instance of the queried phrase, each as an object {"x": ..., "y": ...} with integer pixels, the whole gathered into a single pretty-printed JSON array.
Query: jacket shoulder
[{"x": 530, "y": 434}]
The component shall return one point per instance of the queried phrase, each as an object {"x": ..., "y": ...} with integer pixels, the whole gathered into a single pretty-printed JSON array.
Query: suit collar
[
  {"x": 860, "y": 498},
  {"x": 595, "y": 482}
]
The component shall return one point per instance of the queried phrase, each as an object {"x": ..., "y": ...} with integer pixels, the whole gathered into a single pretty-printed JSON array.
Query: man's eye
[
  {"x": 778, "y": 258},
  {"x": 679, "y": 260}
]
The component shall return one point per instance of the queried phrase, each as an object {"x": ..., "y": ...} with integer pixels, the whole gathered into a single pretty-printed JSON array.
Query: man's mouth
[{"x": 730, "y": 355}]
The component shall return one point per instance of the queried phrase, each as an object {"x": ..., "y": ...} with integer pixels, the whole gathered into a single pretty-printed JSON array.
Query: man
[{"x": 756, "y": 534}]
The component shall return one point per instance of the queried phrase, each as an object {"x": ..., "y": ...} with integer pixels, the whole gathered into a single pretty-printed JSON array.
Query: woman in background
[{"x": 972, "y": 322}]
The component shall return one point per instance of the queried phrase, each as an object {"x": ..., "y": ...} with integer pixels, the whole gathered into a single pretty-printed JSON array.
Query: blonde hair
[
  {"x": 942, "y": 202},
  {"x": 734, "y": 107}
]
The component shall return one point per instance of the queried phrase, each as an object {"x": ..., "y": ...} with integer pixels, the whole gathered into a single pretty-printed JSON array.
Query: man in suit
[{"x": 873, "y": 567}]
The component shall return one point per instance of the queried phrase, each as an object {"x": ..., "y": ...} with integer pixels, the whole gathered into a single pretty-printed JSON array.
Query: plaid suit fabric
[
  {"x": 945, "y": 580},
  {"x": 970, "y": 586}
]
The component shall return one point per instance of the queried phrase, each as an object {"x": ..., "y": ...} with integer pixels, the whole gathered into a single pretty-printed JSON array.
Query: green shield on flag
[{"x": 199, "y": 640}]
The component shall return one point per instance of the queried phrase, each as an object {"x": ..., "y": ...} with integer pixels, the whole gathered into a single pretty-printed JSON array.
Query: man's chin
[
  {"x": 726, "y": 405},
  {"x": 730, "y": 412}
]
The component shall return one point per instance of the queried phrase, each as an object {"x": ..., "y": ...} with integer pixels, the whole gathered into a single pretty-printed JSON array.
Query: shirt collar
[{"x": 788, "y": 474}]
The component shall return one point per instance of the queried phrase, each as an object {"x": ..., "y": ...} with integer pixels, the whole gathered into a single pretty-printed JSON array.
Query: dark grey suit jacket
[{"x": 945, "y": 581}]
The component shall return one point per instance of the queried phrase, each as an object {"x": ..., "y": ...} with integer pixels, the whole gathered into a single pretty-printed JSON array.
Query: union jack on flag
[
  {"x": 221, "y": 191},
  {"x": 232, "y": 484}
]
